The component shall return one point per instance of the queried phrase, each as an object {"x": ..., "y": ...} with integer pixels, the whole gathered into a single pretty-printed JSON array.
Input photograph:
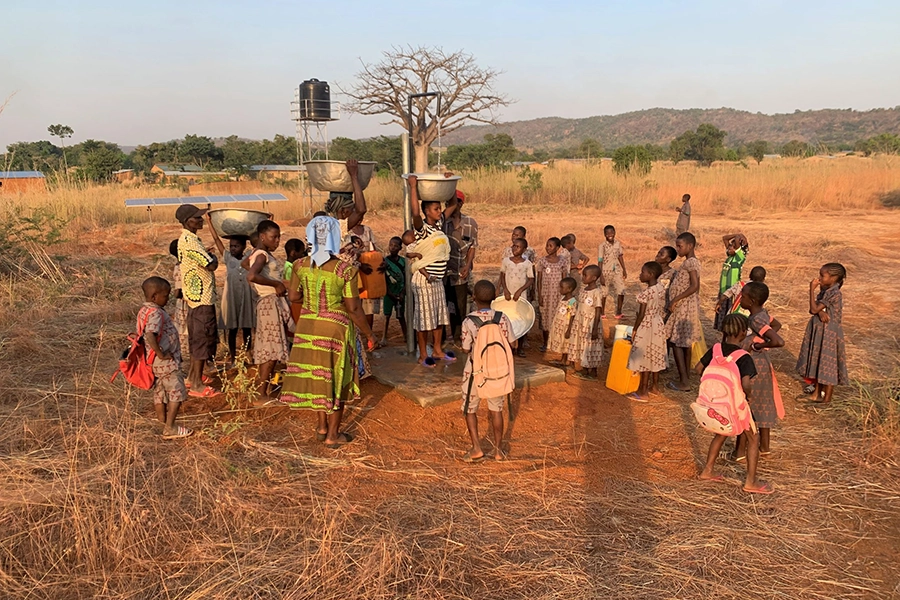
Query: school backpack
[
  {"x": 721, "y": 406},
  {"x": 492, "y": 373},
  {"x": 136, "y": 362}
]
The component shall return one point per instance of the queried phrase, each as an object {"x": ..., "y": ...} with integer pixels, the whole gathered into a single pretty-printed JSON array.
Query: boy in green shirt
[
  {"x": 396, "y": 288},
  {"x": 736, "y": 247}
]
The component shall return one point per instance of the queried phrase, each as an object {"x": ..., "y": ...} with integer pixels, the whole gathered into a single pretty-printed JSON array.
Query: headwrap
[
  {"x": 324, "y": 237},
  {"x": 338, "y": 200}
]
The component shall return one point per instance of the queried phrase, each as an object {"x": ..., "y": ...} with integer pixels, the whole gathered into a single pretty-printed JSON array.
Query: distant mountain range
[{"x": 833, "y": 127}]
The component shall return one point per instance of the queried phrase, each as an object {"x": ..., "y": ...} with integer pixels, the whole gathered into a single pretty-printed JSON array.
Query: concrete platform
[{"x": 442, "y": 384}]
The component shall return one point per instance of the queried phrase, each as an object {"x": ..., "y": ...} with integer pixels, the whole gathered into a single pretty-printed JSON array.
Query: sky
[{"x": 133, "y": 73}]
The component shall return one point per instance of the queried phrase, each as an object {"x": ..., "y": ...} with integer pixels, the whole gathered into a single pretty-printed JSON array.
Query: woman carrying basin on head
[{"x": 348, "y": 208}]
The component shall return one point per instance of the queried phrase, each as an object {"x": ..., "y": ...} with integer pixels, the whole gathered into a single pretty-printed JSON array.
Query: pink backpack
[
  {"x": 492, "y": 374},
  {"x": 721, "y": 406}
]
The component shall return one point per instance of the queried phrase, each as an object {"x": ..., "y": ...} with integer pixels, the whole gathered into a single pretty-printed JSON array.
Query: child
[
  {"x": 648, "y": 346},
  {"x": 765, "y": 399},
  {"x": 273, "y": 315},
  {"x": 732, "y": 296},
  {"x": 294, "y": 250},
  {"x": 179, "y": 316},
  {"x": 238, "y": 312},
  {"x": 484, "y": 294},
  {"x": 734, "y": 329},
  {"x": 430, "y": 309},
  {"x": 396, "y": 287},
  {"x": 517, "y": 277},
  {"x": 577, "y": 259},
  {"x": 683, "y": 327},
  {"x": 823, "y": 359},
  {"x": 612, "y": 263},
  {"x": 664, "y": 258},
  {"x": 551, "y": 269},
  {"x": 563, "y": 318},
  {"x": 519, "y": 233},
  {"x": 586, "y": 344},
  {"x": 159, "y": 333},
  {"x": 736, "y": 247},
  {"x": 683, "y": 224}
]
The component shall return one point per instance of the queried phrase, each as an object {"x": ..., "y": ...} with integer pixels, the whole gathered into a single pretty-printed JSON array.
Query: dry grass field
[{"x": 599, "y": 499}]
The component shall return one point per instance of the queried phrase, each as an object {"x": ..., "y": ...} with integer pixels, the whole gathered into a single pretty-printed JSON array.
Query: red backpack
[
  {"x": 491, "y": 360},
  {"x": 721, "y": 405},
  {"x": 136, "y": 362}
]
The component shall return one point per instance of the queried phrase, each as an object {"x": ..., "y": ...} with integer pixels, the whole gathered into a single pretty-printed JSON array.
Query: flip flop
[
  {"x": 207, "y": 392},
  {"x": 674, "y": 388},
  {"x": 584, "y": 376},
  {"x": 636, "y": 398},
  {"x": 449, "y": 357},
  {"x": 428, "y": 363},
  {"x": 619, "y": 317},
  {"x": 205, "y": 379},
  {"x": 320, "y": 437},
  {"x": 468, "y": 458},
  {"x": 347, "y": 439},
  {"x": 180, "y": 432},
  {"x": 765, "y": 490},
  {"x": 740, "y": 459}
]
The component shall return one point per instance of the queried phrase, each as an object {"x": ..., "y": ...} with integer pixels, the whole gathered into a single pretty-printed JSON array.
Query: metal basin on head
[
  {"x": 236, "y": 222},
  {"x": 332, "y": 175},
  {"x": 434, "y": 187}
]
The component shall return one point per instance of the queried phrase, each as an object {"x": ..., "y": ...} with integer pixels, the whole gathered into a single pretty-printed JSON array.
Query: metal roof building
[{"x": 21, "y": 181}]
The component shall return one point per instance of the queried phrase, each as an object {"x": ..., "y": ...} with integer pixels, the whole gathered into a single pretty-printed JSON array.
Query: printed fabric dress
[
  {"x": 322, "y": 371},
  {"x": 582, "y": 349},
  {"x": 271, "y": 340},
  {"x": 179, "y": 316},
  {"x": 823, "y": 357},
  {"x": 238, "y": 306},
  {"x": 683, "y": 327},
  {"x": 765, "y": 396},
  {"x": 648, "y": 347},
  {"x": 551, "y": 274},
  {"x": 565, "y": 310}
]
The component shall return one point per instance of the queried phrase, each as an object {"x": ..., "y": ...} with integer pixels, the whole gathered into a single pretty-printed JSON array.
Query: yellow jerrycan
[{"x": 619, "y": 378}]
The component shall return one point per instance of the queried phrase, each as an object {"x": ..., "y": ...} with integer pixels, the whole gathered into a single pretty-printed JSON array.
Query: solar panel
[{"x": 150, "y": 202}]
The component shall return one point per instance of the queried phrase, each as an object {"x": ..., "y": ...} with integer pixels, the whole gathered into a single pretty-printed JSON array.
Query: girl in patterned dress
[
  {"x": 765, "y": 397},
  {"x": 823, "y": 358},
  {"x": 563, "y": 319},
  {"x": 683, "y": 327},
  {"x": 516, "y": 279},
  {"x": 551, "y": 269},
  {"x": 648, "y": 346},
  {"x": 586, "y": 342}
]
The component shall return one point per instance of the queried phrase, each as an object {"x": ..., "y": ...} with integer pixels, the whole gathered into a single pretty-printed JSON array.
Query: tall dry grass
[{"x": 814, "y": 184}]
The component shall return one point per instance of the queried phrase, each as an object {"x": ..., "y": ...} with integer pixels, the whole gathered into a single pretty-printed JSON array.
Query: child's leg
[
  {"x": 681, "y": 360},
  {"x": 497, "y": 426},
  {"x": 740, "y": 448},
  {"x": 620, "y": 301},
  {"x": 603, "y": 305},
  {"x": 645, "y": 382},
  {"x": 401, "y": 316},
  {"x": 263, "y": 376},
  {"x": 472, "y": 426},
  {"x": 714, "y": 447},
  {"x": 828, "y": 390},
  {"x": 160, "y": 411},
  {"x": 764, "y": 440},
  {"x": 171, "y": 414},
  {"x": 232, "y": 343},
  {"x": 387, "y": 322},
  {"x": 654, "y": 385},
  {"x": 370, "y": 319},
  {"x": 520, "y": 346},
  {"x": 546, "y": 337},
  {"x": 751, "y": 482}
]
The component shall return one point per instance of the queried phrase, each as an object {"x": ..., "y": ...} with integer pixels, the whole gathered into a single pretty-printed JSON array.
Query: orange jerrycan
[
  {"x": 619, "y": 378},
  {"x": 374, "y": 285}
]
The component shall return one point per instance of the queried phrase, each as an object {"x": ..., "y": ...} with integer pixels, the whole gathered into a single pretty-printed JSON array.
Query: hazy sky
[{"x": 133, "y": 73}]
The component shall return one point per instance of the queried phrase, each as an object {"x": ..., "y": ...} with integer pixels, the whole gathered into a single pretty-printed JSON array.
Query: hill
[{"x": 833, "y": 127}]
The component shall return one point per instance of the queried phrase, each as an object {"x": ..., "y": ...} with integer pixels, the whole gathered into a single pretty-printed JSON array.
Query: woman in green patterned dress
[{"x": 322, "y": 372}]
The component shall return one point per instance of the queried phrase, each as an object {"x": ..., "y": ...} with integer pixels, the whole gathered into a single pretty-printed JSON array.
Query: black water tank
[{"x": 315, "y": 100}]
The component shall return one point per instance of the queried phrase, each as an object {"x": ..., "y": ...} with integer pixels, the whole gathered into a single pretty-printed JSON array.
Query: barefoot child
[
  {"x": 765, "y": 397},
  {"x": 683, "y": 224},
  {"x": 577, "y": 259},
  {"x": 159, "y": 333},
  {"x": 551, "y": 269},
  {"x": 612, "y": 263},
  {"x": 683, "y": 327},
  {"x": 396, "y": 287},
  {"x": 271, "y": 343},
  {"x": 516, "y": 278},
  {"x": 823, "y": 358},
  {"x": 294, "y": 250},
  {"x": 563, "y": 318},
  {"x": 586, "y": 343},
  {"x": 734, "y": 331},
  {"x": 180, "y": 314},
  {"x": 736, "y": 247},
  {"x": 484, "y": 294},
  {"x": 648, "y": 346},
  {"x": 732, "y": 295},
  {"x": 519, "y": 233},
  {"x": 664, "y": 257},
  {"x": 238, "y": 312},
  {"x": 430, "y": 310}
]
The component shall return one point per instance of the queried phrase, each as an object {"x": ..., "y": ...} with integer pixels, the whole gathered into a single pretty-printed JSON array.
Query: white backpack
[{"x": 492, "y": 372}]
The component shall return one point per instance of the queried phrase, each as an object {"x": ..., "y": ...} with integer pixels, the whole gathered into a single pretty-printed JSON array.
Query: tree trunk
[{"x": 421, "y": 164}]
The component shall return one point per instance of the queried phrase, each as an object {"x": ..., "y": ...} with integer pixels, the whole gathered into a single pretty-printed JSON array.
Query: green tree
[
  {"x": 99, "y": 164},
  {"x": 758, "y": 150},
  {"x": 796, "y": 148},
  {"x": 704, "y": 145},
  {"x": 62, "y": 132},
  {"x": 497, "y": 150},
  {"x": 199, "y": 149},
  {"x": 36, "y": 156},
  {"x": 589, "y": 148},
  {"x": 632, "y": 160}
]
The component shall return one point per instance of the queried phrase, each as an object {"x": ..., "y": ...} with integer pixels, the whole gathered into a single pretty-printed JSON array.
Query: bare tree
[{"x": 467, "y": 93}]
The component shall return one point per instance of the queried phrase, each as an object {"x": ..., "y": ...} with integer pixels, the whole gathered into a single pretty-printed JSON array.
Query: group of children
[{"x": 570, "y": 295}]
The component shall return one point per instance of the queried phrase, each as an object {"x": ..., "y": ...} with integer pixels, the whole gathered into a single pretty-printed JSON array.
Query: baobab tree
[{"x": 467, "y": 93}]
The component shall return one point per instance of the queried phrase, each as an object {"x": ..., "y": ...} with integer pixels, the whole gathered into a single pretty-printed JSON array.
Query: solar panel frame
[{"x": 179, "y": 200}]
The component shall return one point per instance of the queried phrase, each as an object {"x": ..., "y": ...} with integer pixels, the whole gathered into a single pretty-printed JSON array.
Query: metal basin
[
  {"x": 332, "y": 175},
  {"x": 236, "y": 222},
  {"x": 520, "y": 314},
  {"x": 434, "y": 187}
]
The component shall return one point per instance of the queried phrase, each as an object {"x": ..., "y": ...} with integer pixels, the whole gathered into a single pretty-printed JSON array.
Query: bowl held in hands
[
  {"x": 332, "y": 175},
  {"x": 236, "y": 222},
  {"x": 434, "y": 187}
]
